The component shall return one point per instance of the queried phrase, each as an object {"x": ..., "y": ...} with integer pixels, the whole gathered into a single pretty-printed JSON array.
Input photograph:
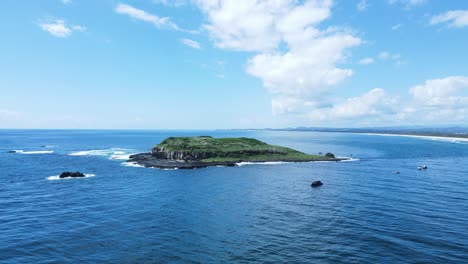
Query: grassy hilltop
[{"x": 230, "y": 150}]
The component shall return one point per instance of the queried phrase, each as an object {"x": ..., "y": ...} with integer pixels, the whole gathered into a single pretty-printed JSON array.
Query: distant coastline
[
  {"x": 435, "y": 137},
  {"x": 449, "y": 133}
]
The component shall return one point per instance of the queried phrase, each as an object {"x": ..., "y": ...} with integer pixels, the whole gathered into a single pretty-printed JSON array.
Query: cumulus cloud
[
  {"x": 58, "y": 28},
  {"x": 295, "y": 60},
  {"x": 455, "y": 18},
  {"x": 191, "y": 43},
  {"x": 441, "y": 101},
  {"x": 366, "y": 61},
  {"x": 441, "y": 92},
  {"x": 375, "y": 103}
]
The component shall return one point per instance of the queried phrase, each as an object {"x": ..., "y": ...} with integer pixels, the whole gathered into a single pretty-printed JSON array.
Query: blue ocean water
[{"x": 254, "y": 213}]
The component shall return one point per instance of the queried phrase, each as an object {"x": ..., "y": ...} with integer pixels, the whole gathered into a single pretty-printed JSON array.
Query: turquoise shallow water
[{"x": 255, "y": 213}]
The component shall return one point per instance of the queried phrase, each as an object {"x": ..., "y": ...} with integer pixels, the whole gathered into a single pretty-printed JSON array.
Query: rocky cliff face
[{"x": 162, "y": 153}]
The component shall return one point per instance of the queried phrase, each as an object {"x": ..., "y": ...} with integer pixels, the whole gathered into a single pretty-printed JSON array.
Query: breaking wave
[
  {"x": 262, "y": 163},
  {"x": 34, "y": 152},
  {"x": 57, "y": 177},
  {"x": 132, "y": 164},
  {"x": 112, "y": 153}
]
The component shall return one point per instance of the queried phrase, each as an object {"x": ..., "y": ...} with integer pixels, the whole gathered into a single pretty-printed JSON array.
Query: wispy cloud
[
  {"x": 191, "y": 43},
  {"x": 407, "y": 3},
  {"x": 362, "y": 5},
  {"x": 58, "y": 28},
  {"x": 175, "y": 3},
  {"x": 397, "y": 26},
  {"x": 366, "y": 61},
  {"x": 5, "y": 114},
  {"x": 454, "y": 18},
  {"x": 139, "y": 14},
  {"x": 66, "y": 2}
]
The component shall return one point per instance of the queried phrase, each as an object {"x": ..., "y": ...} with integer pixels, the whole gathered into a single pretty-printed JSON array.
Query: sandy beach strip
[{"x": 452, "y": 139}]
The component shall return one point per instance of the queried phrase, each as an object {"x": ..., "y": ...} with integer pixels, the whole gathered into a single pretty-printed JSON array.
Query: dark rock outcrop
[
  {"x": 11, "y": 151},
  {"x": 330, "y": 155},
  {"x": 162, "y": 153},
  {"x": 316, "y": 184},
  {"x": 68, "y": 174}
]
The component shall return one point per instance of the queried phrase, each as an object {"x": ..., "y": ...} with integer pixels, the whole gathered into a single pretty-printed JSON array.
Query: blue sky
[{"x": 205, "y": 64}]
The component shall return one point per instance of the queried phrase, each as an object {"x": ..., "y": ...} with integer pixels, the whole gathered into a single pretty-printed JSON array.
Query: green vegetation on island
[
  {"x": 204, "y": 151},
  {"x": 209, "y": 149}
]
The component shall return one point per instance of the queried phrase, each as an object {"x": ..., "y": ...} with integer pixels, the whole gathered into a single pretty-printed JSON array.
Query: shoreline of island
[
  {"x": 206, "y": 151},
  {"x": 148, "y": 160}
]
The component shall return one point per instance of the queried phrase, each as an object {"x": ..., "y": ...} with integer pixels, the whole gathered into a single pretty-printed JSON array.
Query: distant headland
[{"x": 204, "y": 151}]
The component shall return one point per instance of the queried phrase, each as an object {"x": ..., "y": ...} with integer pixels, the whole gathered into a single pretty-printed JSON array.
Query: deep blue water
[{"x": 255, "y": 213}]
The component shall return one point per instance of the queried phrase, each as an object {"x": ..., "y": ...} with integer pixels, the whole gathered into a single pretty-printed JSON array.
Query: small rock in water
[
  {"x": 68, "y": 174},
  {"x": 316, "y": 184},
  {"x": 11, "y": 151},
  {"x": 396, "y": 172}
]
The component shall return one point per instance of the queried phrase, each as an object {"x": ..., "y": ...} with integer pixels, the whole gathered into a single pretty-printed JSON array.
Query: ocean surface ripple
[{"x": 247, "y": 214}]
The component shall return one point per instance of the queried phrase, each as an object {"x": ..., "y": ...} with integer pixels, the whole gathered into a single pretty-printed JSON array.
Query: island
[{"x": 204, "y": 151}]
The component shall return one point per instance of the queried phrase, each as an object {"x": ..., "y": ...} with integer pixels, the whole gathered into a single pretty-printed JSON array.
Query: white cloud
[
  {"x": 375, "y": 103},
  {"x": 362, "y": 5},
  {"x": 78, "y": 28},
  {"x": 59, "y": 28},
  {"x": 441, "y": 91},
  {"x": 144, "y": 16},
  {"x": 384, "y": 55},
  {"x": 159, "y": 22},
  {"x": 366, "y": 61},
  {"x": 442, "y": 101},
  {"x": 191, "y": 43},
  {"x": 395, "y": 57},
  {"x": 296, "y": 61},
  {"x": 455, "y": 18},
  {"x": 397, "y": 26},
  {"x": 436, "y": 101}
]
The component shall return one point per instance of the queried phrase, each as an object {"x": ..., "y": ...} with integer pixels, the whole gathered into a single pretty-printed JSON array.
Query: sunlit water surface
[{"x": 254, "y": 213}]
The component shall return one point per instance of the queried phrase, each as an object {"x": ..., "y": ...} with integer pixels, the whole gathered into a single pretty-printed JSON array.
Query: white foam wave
[
  {"x": 57, "y": 177},
  {"x": 170, "y": 169},
  {"x": 34, "y": 152},
  {"x": 262, "y": 163},
  {"x": 132, "y": 164},
  {"x": 348, "y": 159},
  {"x": 112, "y": 153}
]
